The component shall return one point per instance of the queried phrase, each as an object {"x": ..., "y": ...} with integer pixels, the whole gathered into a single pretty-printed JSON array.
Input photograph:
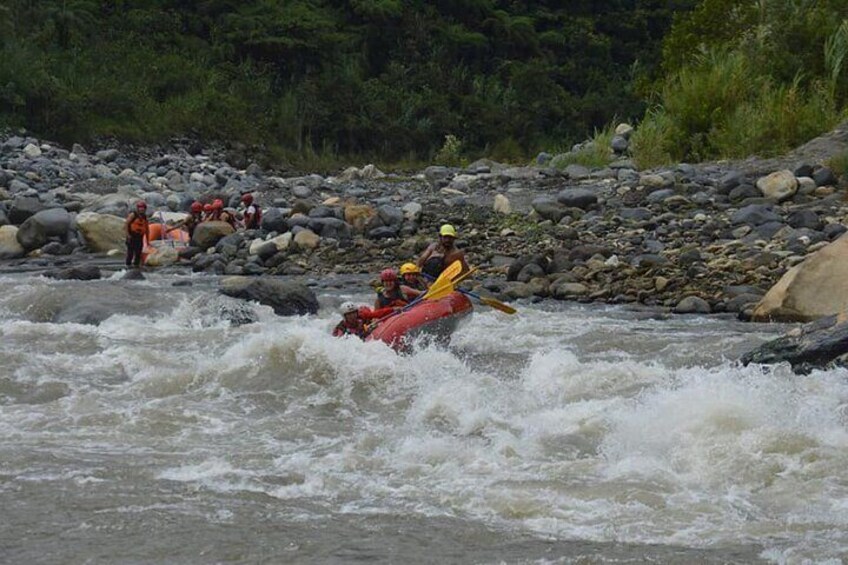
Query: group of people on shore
[
  {"x": 137, "y": 225},
  {"x": 397, "y": 290}
]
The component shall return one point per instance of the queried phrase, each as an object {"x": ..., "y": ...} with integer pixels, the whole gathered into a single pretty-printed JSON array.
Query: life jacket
[
  {"x": 138, "y": 224},
  {"x": 395, "y": 298},
  {"x": 342, "y": 328}
]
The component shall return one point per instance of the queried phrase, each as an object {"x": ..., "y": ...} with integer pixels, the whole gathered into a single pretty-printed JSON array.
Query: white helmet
[{"x": 348, "y": 307}]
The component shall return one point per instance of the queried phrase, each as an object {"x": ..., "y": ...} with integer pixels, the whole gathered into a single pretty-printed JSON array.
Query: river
[{"x": 157, "y": 431}]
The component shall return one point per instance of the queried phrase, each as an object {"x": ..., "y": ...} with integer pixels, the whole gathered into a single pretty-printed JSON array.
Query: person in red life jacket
[
  {"x": 189, "y": 223},
  {"x": 354, "y": 318},
  {"x": 412, "y": 277},
  {"x": 252, "y": 213},
  {"x": 439, "y": 255},
  {"x": 136, "y": 228},
  {"x": 391, "y": 294}
]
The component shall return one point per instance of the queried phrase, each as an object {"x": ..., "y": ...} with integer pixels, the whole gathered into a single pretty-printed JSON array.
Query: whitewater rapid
[{"x": 140, "y": 424}]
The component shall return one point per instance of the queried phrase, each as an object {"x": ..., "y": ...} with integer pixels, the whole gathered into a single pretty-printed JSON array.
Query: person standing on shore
[
  {"x": 136, "y": 228},
  {"x": 442, "y": 253},
  {"x": 252, "y": 213}
]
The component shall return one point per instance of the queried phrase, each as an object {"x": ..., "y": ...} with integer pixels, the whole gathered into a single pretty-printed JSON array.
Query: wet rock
[
  {"x": 78, "y": 273},
  {"x": 133, "y": 275},
  {"x": 692, "y": 305},
  {"x": 817, "y": 345},
  {"x": 562, "y": 289},
  {"x": 285, "y": 297}
]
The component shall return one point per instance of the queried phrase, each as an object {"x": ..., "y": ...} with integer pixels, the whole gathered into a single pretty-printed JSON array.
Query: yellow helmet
[
  {"x": 409, "y": 268},
  {"x": 448, "y": 230}
]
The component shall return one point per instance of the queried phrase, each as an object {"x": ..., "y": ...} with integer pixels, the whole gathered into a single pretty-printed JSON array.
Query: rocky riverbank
[{"x": 694, "y": 238}]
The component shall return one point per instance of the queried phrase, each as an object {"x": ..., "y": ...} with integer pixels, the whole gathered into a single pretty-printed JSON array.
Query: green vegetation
[
  {"x": 839, "y": 165},
  {"x": 594, "y": 154},
  {"x": 319, "y": 80},
  {"x": 320, "y": 83},
  {"x": 747, "y": 78}
]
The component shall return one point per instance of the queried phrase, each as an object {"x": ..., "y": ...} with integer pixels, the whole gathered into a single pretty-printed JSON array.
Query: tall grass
[
  {"x": 724, "y": 107},
  {"x": 595, "y": 155}
]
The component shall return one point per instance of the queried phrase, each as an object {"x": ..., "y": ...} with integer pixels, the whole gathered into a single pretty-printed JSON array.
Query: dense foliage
[
  {"x": 748, "y": 77},
  {"x": 387, "y": 77}
]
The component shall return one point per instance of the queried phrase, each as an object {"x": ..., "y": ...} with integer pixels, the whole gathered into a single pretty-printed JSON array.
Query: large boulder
[
  {"x": 36, "y": 230},
  {"x": 207, "y": 234},
  {"x": 102, "y": 232},
  {"x": 814, "y": 288},
  {"x": 24, "y": 207},
  {"x": 577, "y": 198},
  {"x": 274, "y": 219},
  {"x": 287, "y": 298},
  {"x": 9, "y": 246}
]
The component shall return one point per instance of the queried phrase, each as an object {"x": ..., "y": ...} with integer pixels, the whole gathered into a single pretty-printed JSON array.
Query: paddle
[{"x": 491, "y": 302}]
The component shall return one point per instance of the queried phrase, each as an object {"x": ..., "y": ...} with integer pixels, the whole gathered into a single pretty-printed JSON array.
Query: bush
[
  {"x": 594, "y": 154},
  {"x": 839, "y": 165},
  {"x": 649, "y": 144},
  {"x": 450, "y": 155}
]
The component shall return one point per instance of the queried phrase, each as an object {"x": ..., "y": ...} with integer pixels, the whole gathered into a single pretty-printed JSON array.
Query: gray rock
[
  {"x": 577, "y": 172},
  {"x": 754, "y": 215},
  {"x": 577, "y": 198},
  {"x": 805, "y": 219},
  {"x": 36, "y": 230},
  {"x": 331, "y": 228},
  {"x": 208, "y": 234},
  {"x": 730, "y": 181},
  {"x": 803, "y": 170},
  {"x": 285, "y": 297},
  {"x": 817, "y": 345},
  {"x": 743, "y": 192},
  {"x": 529, "y": 272},
  {"x": 107, "y": 155},
  {"x": 824, "y": 177},
  {"x": 273, "y": 219},
  {"x": 658, "y": 196},
  {"x": 543, "y": 158},
  {"x": 437, "y": 176},
  {"x": 384, "y": 232},
  {"x": 77, "y": 273},
  {"x": 390, "y": 215},
  {"x": 24, "y": 207},
  {"x": 619, "y": 144},
  {"x": 832, "y": 231},
  {"x": 635, "y": 214},
  {"x": 692, "y": 305},
  {"x": 301, "y": 191},
  {"x": 549, "y": 209}
]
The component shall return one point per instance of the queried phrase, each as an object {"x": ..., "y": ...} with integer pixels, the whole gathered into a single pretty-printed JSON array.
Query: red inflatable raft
[{"x": 430, "y": 319}]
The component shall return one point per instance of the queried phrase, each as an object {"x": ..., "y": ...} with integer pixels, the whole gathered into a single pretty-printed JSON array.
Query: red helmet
[
  {"x": 388, "y": 275},
  {"x": 217, "y": 204},
  {"x": 247, "y": 199},
  {"x": 196, "y": 207},
  {"x": 141, "y": 205},
  {"x": 207, "y": 207}
]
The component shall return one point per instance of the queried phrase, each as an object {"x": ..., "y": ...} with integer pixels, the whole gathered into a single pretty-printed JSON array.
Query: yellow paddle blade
[
  {"x": 438, "y": 292},
  {"x": 450, "y": 271},
  {"x": 498, "y": 305}
]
